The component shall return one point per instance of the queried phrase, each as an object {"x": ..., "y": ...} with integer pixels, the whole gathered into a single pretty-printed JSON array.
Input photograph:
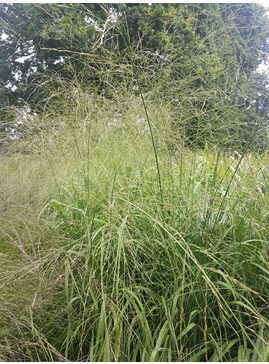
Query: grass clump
[{"x": 120, "y": 271}]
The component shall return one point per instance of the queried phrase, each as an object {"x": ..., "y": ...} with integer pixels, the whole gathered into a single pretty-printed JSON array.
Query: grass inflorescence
[{"x": 99, "y": 265}]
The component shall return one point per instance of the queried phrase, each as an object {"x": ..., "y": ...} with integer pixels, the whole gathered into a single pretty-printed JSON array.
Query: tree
[{"x": 203, "y": 55}]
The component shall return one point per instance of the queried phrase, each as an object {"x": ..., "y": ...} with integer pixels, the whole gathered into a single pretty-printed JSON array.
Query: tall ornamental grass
[{"x": 109, "y": 264}]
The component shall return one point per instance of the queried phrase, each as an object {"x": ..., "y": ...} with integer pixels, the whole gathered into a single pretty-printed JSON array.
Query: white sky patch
[
  {"x": 17, "y": 75},
  {"x": 263, "y": 67},
  {"x": 91, "y": 21},
  {"x": 59, "y": 60},
  {"x": 31, "y": 55},
  {"x": 33, "y": 69},
  {"x": 4, "y": 36},
  {"x": 10, "y": 86},
  {"x": 264, "y": 3},
  {"x": 23, "y": 59},
  {"x": 113, "y": 15}
]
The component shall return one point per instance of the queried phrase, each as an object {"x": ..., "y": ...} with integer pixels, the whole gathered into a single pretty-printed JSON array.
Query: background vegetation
[
  {"x": 201, "y": 59},
  {"x": 134, "y": 182}
]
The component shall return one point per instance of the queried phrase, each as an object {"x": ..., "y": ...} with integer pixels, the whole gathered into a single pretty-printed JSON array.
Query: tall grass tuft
[{"x": 106, "y": 272}]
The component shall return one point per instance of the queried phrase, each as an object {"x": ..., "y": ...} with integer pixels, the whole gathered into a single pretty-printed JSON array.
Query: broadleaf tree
[{"x": 202, "y": 58}]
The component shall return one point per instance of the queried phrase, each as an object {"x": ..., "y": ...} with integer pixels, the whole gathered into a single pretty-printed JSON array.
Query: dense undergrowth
[{"x": 102, "y": 260}]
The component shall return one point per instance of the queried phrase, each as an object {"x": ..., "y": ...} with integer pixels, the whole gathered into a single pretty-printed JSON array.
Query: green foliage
[
  {"x": 95, "y": 268},
  {"x": 134, "y": 214},
  {"x": 203, "y": 55}
]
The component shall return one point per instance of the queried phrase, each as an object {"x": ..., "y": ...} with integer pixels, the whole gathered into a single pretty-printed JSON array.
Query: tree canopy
[{"x": 202, "y": 57}]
